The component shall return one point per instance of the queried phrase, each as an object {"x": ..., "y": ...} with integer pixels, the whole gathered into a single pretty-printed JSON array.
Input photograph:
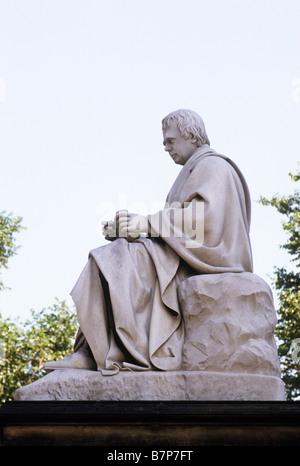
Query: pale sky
[{"x": 84, "y": 85}]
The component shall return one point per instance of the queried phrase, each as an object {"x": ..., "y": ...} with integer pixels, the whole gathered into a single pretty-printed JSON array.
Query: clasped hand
[{"x": 125, "y": 225}]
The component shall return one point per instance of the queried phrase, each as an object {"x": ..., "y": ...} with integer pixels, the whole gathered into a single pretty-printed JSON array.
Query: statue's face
[{"x": 180, "y": 149}]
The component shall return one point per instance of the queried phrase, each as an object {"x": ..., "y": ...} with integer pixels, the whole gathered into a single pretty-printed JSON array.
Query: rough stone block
[{"x": 229, "y": 322}]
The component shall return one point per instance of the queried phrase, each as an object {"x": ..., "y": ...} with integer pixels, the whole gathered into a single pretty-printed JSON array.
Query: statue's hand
[
  {"x": 109, "y": 230},
  {"x": 132, "y": 225}
]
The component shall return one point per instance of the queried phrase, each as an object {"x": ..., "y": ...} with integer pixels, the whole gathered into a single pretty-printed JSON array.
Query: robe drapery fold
[{"x": 126, "y": 297}]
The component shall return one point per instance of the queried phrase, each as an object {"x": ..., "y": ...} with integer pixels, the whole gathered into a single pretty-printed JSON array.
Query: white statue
[{"x": 127, "y": 295}]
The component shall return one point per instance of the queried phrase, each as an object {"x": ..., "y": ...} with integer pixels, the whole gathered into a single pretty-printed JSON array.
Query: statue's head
[
  {"x": 184, "y": 132},
  {"x": 190, "y": 125}
]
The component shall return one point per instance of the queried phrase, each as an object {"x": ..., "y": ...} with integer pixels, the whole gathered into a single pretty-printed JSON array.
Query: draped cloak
[{"x": 126, "y": 296}]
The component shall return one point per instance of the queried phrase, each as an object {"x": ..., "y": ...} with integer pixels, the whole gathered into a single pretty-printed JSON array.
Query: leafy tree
[
  {"x": 288, "y": 285},
  {"x": 26, "y": 346},
  {"x": 9, "y": 226}
]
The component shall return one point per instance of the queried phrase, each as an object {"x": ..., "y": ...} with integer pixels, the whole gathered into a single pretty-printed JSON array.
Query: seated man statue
[{"x": 126, "y": 297}]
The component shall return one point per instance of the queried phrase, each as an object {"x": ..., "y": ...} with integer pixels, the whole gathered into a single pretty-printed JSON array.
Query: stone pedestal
[{"x": 152, "y": 385}]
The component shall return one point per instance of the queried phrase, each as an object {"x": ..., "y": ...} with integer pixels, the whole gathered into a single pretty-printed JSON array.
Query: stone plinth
[{"x": 153, "y": 385}]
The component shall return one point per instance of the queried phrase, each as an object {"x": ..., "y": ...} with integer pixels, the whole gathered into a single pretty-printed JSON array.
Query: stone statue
[{"x": 175, "y": 291}]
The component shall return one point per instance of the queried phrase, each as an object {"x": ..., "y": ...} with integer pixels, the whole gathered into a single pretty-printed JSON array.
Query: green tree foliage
[
  {"x": 48, "y": 335},
  {"x": 287, "y": 282},
  {"x": 9, "y": 226}
]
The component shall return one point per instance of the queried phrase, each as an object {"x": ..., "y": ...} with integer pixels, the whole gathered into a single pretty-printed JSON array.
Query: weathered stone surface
[
  {"x": 152, "y": 385},
  {"x": 229, "y": 323}
]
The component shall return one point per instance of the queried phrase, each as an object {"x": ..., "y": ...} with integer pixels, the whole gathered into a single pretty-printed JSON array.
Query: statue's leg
[{"x": 80, "y": 341}]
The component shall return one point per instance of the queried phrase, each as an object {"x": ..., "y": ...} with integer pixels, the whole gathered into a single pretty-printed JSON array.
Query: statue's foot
[{"x": 78, "y": 360}]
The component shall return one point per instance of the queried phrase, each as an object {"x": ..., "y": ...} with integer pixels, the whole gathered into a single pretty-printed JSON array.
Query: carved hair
[{"x": 190, "y": 125}]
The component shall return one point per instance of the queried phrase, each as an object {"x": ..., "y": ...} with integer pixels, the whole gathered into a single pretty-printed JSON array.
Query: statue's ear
[{"x": 195, "y": 141}]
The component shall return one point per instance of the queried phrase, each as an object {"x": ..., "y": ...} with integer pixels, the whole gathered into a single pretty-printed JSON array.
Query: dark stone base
[{"x": 168, "y": 424}]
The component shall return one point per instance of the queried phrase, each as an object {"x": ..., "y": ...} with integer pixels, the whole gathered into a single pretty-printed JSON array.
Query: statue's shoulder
[{"x": 212, "y": 162}]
